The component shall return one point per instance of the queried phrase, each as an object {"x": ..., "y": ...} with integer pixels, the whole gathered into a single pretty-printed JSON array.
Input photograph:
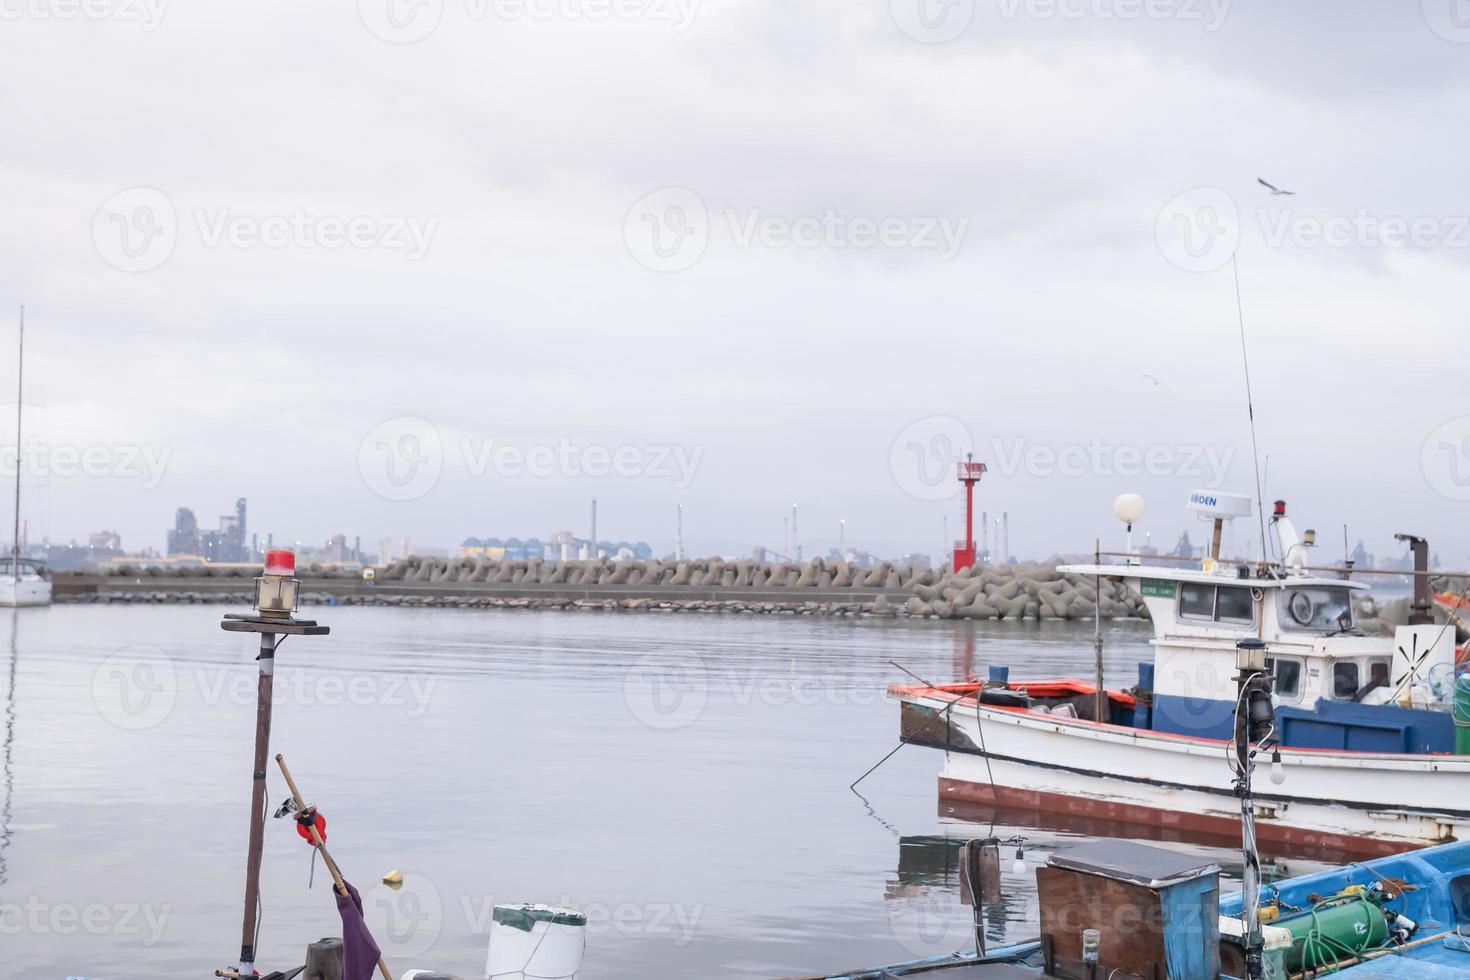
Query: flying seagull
[
  {"x": 1275, "y": 191},
  {"x": 1157, "y": 383}
]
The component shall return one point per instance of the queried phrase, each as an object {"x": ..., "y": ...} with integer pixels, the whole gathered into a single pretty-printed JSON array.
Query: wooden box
[{"x": 1156, "y": 912}]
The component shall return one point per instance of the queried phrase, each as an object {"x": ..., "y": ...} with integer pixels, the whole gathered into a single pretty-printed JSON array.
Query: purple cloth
[{"x": 359, "y": 950}]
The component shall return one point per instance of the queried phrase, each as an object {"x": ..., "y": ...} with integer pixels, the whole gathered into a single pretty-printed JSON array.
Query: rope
[
  {"x": 922, "y": 729},
  {"x": 985, "y": 754}
]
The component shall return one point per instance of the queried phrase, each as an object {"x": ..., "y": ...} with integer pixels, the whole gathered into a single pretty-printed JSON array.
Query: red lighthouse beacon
[{"x": 970, "y": 473}]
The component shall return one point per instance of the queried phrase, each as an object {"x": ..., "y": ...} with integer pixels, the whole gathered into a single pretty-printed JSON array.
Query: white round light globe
[{"x": 1129, "y": 508}]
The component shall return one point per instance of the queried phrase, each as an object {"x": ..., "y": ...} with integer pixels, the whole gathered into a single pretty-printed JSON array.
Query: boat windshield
[
  {"x": 7, "y": 567},
  {"x": 1316, "y": 608}
]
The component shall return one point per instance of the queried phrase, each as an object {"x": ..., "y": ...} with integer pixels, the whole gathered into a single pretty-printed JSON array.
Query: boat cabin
[
  {"x": 29, "y": 568},
  {"x": 1334, "y": 687}
]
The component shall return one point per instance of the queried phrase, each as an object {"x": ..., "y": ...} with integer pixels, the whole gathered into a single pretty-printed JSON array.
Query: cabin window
[
  {"x": 1197, "y": 600},
  {"x": 1234, "y": 605},
  {"x": 1222, "y": 604},
  {"x": 1315, "y": 608},
  {"x": 1345, "y": 679},
  {"x": 1288, "y": 677},
  {"x": 1378, "y": 669}
]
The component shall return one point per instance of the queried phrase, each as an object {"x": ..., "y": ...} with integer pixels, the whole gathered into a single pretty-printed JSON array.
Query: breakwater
[
  {"x": 1023, "y": 591},
  {"x": 1026, "y": 591}
]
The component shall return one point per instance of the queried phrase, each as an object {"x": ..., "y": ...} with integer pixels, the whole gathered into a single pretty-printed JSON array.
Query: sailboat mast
[{"x": 20, "y": 377}]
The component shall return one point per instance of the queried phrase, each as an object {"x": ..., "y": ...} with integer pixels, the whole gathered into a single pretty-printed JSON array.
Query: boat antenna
[
  {"x": 1250, "y": 408},
  {"x": 20, "y": 377}
]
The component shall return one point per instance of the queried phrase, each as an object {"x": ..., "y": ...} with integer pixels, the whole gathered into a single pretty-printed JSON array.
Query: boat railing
[{"x": 1136, "y": 558}]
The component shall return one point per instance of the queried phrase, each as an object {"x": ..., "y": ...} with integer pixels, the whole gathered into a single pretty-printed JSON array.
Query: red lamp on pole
[{"x": 277, "y": 592}]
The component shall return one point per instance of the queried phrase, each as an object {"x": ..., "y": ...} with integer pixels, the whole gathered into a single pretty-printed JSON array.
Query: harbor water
[{"x": 682, "y": 779}]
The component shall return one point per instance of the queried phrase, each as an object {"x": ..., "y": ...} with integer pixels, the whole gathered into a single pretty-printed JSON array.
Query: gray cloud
[{"x": 793, "y": 369}]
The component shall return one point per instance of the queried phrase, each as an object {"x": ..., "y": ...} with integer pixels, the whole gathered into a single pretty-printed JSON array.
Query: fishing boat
[
  {"x": 1371, "y": 746},
  {"x": 1407, "y": 915},
  {"x": 23, "y": 581},
  {"x": 1128, "y": 911},
  {"x": 1122, "y": 910}
]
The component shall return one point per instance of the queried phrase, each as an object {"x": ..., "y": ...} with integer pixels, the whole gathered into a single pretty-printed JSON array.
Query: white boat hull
[
  {"x": 1354, "y": 801},
  {"x": 24, "y": 592}
]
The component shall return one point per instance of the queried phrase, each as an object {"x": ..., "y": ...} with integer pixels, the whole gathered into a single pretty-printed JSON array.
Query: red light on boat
[
  {"x": 1280, "y": 508},
  {"x": 280, "y": 562}
]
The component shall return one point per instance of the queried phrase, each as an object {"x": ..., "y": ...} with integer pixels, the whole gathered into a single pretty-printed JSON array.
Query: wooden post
[{"x": 267, "y": 659}]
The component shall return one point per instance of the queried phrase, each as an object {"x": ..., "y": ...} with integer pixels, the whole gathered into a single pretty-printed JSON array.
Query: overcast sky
[{"x": 455, "y": 268}]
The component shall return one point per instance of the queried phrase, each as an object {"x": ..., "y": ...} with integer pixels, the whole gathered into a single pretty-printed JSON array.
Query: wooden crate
[{"x": 1156, "y": 912}]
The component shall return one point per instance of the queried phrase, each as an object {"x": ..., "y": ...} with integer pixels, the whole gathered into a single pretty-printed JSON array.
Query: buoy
[
  {"x": 535, "y": 941},
  {"x": 393, "y": 878}
]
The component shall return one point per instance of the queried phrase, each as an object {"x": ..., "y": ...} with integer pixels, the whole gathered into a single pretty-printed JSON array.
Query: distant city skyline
[{"x": 229, "y": 543}]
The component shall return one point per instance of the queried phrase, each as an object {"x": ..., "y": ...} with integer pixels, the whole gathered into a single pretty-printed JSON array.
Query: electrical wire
[{"x": 259, "y": 905}]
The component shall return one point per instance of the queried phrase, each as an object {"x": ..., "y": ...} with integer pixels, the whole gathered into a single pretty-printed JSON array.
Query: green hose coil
[{"x": 1335, "y": 931}]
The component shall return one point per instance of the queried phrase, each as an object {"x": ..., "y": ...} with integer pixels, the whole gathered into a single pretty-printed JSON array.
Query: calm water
[{"x": 683, "y": 778}]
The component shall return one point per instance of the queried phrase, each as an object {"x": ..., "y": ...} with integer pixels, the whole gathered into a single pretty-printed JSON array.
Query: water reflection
[
  {"x": 1224, "y": 851},
  {"x": 929, "y": 865},
  {"x": 12, "y": 658}
]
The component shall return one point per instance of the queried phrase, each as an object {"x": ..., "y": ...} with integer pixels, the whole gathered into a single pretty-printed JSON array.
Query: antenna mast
[
  {"x": 20, "y": 377},
  {"x": 1250, "y": 408}
]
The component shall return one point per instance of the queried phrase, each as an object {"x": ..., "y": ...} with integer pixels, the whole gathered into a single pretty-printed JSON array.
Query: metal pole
[
  {"x": 267, "y": 660},
  {"x": 969, "y": 514},
  {"x": 1420, "y": 613},
  {"x": 1100, "y": 706},
  {"x": 20, "y": 376},
  {"x": 1250, "y": 898}
]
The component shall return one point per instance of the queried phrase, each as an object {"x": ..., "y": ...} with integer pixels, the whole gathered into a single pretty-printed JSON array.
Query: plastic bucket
[{"x": 535, "y": 941}]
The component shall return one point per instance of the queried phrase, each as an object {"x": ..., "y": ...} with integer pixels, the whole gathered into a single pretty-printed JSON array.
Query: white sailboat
[{"x": 23, "y": 581}]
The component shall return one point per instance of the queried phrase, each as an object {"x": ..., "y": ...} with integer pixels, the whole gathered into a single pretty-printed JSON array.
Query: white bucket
[{"x": 535, "y": 942}]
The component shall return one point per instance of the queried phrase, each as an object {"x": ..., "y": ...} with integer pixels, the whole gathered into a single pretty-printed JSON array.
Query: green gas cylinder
[{"x": 1335, "y": 930}]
